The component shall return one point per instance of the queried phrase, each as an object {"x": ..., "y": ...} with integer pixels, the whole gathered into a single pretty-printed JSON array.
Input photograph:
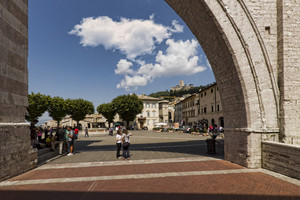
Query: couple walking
[{"x": 123, "y": 139}]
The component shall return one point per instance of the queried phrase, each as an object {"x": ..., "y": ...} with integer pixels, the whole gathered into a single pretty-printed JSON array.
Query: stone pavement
[{"x": 163, "y": 166}]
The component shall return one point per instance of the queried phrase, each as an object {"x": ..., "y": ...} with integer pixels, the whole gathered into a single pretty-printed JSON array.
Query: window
[
  {"x": 147, "y": 105},
  {"x": 198, "y": 111},
  {"x": 218, "y": 107},
  {"x": 148, "y": 122},
  {"x": 212, "y": 108},
  {"x": 153, "y": 113},
  {"x": 153, "y": 105},
  {"x": 148, "y": 114},
  {"x": 212, "y": 91},
  {"x": 204, "y": 110},
  {"x": 201, "y": 110}
]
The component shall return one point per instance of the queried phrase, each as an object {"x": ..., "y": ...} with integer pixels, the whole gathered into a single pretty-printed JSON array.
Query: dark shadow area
[
  {"x": 195, "y": 147},
  {"x": 61, "y": 195}
]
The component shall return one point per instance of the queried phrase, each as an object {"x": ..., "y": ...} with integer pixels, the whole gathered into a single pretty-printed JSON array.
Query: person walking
[
  {"x": 86, "y": 132},
  {"x": 70, "y": 134},
  {"x": 126, "y": 144},
  {"x": 119, "y": 143}
]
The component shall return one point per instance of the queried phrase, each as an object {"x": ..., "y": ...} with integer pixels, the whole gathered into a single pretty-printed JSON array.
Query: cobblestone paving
[
  {"x": 144, "y": 145},
  {"x": 163, "y": 166}
]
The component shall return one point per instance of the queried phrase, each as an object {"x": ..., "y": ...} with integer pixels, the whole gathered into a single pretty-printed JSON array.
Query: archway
[
  {"x": 243, "y": 68},
  {"x": 244, "y": 42}
]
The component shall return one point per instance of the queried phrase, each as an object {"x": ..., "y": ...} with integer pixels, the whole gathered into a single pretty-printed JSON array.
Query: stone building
[
  {"x": 210, "y": 112},
  {"x": 190, "y": 107},
  {"x": 94, "y": 121},
  {"x": 150, "y": 114},
  {"x": 182, "y": 86},
  {"x": 204, "y": 108}
]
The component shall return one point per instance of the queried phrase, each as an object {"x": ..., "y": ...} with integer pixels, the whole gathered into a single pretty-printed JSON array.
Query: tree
[
  {"x": 57, "y": 109},
  {"x": 79, "y": 108},
  {"x": 37, "y": 105},
  {"x": 128, "y": 106},
  {"x": 108, "y": 111}
]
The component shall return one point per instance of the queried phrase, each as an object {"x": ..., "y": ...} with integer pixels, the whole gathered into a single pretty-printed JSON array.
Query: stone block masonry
[
  {"x": 281, "y": 158},
  {"x": 16, "y": 154}
]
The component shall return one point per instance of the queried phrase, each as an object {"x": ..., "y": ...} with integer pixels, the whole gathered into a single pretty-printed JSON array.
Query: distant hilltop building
[{"x": 182, "y": 86}]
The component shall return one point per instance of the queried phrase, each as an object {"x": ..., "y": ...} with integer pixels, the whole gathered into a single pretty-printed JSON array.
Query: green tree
[
  {"x": 108, "y": 111},
  {"x": 57, "y": 109},
  {"x": 79, "y": 108},
  {"x": 128, "y": 106},
  {"x": 37, "y": 105}
]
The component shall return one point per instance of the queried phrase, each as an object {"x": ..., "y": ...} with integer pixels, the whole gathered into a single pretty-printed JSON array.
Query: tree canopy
[
  {"x": 57, "y": 108},
  {"x": 79, "y": 108},
  {"x": 128, "y": 106},
  {"x": 108, "y": 111},
  {"x": 37, "y": 105}
]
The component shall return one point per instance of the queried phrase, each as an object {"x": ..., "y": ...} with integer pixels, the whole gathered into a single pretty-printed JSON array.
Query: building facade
[
  {"x": 211, "y": 112},
  {"x": 203, "y": 109},
  {"x": 150, "y": 114},
  {"x": 93, "y": 121}
]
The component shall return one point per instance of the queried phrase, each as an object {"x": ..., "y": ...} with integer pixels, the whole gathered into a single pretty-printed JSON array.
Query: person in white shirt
[{"x": 119, "y": 143}]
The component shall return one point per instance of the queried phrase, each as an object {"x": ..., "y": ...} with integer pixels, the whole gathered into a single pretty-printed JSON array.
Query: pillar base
[
  {"x": 16, "y": 154},
  {"x": 243, "y": 146}
]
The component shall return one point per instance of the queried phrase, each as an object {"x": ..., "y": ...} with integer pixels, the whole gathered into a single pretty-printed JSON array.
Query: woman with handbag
[{"x": 126, "y": 144}]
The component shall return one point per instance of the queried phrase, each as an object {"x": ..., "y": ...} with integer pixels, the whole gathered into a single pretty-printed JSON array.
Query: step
[{"x": 46, "y": 155}]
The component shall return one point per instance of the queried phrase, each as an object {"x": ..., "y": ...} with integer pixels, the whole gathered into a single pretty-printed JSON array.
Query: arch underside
[{"x": 239, "y": 59}]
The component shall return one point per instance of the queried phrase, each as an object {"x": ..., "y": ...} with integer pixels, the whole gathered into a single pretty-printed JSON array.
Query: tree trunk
[
  {"x": 57, "y": 123},
  {"x": 78, "y": 124},
  {"x": 127, "y": 127}
]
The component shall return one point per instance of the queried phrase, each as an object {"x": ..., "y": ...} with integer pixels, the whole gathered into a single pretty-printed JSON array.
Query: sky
[{"x": 98, "y": 50}]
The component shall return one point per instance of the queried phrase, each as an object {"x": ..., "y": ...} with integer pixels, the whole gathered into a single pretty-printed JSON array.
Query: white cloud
[
  {"x": 180, "y": 59},
  {"x": 123, "y": 67},
  {"x": 133, "y": 37},
  {"x": 134, "y": 81}
]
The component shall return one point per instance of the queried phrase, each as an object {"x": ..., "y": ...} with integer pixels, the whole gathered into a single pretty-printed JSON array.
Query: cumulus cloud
[
  {"x": 123, "y": 67},
  {"x": 133, "y": 37},
  {"x": 180, "y": 58}
]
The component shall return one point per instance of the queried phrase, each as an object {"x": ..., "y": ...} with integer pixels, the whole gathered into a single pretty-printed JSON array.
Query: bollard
[{"x": 211, "y": 146}]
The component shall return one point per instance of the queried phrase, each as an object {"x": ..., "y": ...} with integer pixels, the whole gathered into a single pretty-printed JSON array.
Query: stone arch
[{"x": 244, "y": 69}]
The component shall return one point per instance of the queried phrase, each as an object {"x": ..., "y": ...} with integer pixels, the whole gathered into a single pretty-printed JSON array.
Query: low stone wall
[
  {"x": 16, "y": 154},
  {"x": 281, "y": 158}
]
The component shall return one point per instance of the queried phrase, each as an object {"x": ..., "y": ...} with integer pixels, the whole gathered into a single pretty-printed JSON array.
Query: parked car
[{"x": 145, "y": 128}]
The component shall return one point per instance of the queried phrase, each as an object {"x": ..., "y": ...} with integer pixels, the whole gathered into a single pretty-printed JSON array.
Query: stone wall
[
  {"x": 238, "y": 38},
  {"x": 281, "y": 158},
  {"x": 289, "y": 68},
  {"x": 16, "y": 153}
]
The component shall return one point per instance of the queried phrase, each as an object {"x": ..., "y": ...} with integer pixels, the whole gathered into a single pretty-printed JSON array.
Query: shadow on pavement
[
  {"x": 196, "y": 147},
  {"x": 62, "y": 195}
]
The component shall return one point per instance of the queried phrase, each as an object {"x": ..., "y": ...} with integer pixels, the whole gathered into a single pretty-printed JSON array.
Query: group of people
[
  {"x": 63, "y": 138},
  {"x": 122, "y": 140}
]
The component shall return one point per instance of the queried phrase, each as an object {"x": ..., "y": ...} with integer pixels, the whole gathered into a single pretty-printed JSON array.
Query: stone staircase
[{"x": 45, "y": 155}]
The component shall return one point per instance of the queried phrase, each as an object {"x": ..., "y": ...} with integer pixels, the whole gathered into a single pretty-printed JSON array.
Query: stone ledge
[{"x": 15, "y": 125}]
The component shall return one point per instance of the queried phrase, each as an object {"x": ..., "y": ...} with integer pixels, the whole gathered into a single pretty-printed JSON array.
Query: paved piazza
[{"x": 162, "y": 166}]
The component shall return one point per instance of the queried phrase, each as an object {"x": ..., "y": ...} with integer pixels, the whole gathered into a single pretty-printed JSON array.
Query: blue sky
[{"x": 97, "y": 50}]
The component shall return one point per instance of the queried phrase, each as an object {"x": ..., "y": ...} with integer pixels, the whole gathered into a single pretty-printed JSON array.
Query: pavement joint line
[
  {"x": 122, "y": 177},
  {"x": 280, "y": 176},
  {"x": 127, "y": 162},
  {"x": 169, "y": 138}
]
